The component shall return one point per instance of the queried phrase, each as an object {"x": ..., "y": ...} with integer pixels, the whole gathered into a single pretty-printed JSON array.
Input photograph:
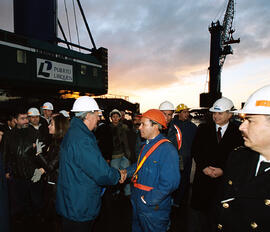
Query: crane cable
[
  {"x": 220, "y": 13},
  {"x": 67, "y": 20},
  {"x": 76, "y": 23}
]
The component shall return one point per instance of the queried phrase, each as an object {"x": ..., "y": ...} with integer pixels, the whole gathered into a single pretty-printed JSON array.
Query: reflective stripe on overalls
[
  {"x": 140, "y": 164},
  {"x": 178, "y": 137}
]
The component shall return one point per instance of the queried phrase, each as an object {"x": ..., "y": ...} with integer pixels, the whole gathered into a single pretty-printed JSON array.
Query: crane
[{"x": 221, "y": 40}]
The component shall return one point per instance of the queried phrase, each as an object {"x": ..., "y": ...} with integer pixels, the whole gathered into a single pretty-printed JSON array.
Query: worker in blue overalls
[{"x": 155, "y": 176}]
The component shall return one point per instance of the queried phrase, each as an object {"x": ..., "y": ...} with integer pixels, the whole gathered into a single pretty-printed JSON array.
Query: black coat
[
  {"x": 49, "y": 160},
  {"x": 250, "y": 209},
  {"x": 4, "y": 219},
  {"x": 19, "y": 153},
  {"x": 208, "y": 152}
]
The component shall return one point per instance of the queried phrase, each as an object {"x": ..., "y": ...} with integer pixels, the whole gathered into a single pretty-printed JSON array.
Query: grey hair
[
  {"x": 82, "y": 115},
  {"x": 155, "y": 123}
]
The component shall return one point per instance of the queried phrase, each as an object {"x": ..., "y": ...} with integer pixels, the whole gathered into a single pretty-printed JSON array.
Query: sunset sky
[{"x": 159, "y": 49}]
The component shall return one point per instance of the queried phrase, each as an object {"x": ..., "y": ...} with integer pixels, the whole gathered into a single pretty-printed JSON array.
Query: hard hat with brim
[
  {"x": 221, "y": 105},
  {"x": 257, "y": 103},
  {"x": 85, "y": 104},
  {"x": 181, "y": 107},
  {"x": 33, "y": 112},
  {"x": 156, "y": 116},
  {"x": 47, "y": 106},
  {"x": 115, "y": 111},
  {"x": 64, "y": 113},
  {"x": 166, "y": 105}
]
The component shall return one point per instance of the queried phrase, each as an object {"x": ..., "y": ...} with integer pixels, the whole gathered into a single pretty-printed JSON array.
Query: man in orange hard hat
[{"x": 154, "y": 177}]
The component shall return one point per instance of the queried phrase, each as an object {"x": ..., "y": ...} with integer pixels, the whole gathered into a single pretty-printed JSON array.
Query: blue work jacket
[
  {"x": 82, "y": 173},
  {"x": 160, "y": 171}
]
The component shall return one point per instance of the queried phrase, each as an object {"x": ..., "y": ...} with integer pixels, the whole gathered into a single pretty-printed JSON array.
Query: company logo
[
  {"x": 51, "y": 70},
  {"x": 44, "y": 68}
]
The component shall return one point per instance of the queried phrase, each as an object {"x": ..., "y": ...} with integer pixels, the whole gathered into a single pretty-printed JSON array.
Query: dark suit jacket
[
  {"x": 248, "y": 207},
  {"x": 4, "y": 219},
  {"x": 208, "y": 152}
]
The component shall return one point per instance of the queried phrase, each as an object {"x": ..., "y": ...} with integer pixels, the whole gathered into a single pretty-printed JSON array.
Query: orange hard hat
[{"x": 156, "y": 116}]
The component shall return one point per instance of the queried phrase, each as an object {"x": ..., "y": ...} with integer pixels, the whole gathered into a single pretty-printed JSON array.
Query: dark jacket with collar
[
  {"x": 248, "y": 196},
  {"x": 19, "y": 153},
  {"x": 208, "y": 152}
]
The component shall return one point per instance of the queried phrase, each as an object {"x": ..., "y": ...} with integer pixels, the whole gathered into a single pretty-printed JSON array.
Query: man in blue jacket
[
  {"x": 82, "y": 170},
  {"x": 155, "y": 176}
]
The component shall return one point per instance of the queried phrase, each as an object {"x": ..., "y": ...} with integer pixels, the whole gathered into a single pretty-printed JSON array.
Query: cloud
[{"x": 157, "y": 43}]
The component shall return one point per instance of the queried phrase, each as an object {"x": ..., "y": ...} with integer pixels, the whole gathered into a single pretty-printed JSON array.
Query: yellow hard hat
[{"x": 181, "y": 107}]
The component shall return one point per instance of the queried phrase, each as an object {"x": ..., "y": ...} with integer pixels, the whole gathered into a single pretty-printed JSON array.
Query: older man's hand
[{"x": 123, "y": 176}]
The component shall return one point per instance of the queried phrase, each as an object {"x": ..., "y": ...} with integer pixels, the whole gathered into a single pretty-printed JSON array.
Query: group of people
[
  {"x": 30, "y": 145},
  {"x": 148, "y": 161}
]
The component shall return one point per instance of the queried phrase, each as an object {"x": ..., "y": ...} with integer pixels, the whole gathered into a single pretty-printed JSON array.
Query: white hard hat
[
  {"x": 221, "y": 105},
  {"x": 33, "y": 112},
  {"x": 84, "y": 104},
  {"x": 64, "y": 113},
  {"x": 166, "y": 105},
  {"x": 115, "y": 111},
  {"x": 258, "y": 102},
  {"x": 47, "y": 106}
]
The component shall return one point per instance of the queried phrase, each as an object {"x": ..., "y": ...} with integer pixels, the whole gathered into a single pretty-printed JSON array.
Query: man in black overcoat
[
  {"x": 212, "y": 144},
  {"x": 245, "y": 205}
]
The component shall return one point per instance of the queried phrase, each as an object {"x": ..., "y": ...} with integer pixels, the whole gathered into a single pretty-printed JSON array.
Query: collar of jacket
[
  {"x": 76, "y": 122},
  {"x": 154, "y": 140}
]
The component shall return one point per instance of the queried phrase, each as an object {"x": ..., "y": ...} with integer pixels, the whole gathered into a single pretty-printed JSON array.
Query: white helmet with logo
[
  {"x": 47, "y": 106},
  {"x": 221, "y": 105},
  {"x": 258, "y": 102},
  {"x": 85, "y": 104},
  {"x": 166, "y": 105},
  {"x": 33, "y": 112}
]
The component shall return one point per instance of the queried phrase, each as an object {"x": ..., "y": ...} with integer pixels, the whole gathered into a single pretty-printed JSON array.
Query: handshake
[{"x": 123, "y": 177}]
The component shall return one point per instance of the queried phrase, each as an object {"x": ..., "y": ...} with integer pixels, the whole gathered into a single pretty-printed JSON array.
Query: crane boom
[
  {"x": 227, "y": 22},
  {"x": 221, "y": 38}
]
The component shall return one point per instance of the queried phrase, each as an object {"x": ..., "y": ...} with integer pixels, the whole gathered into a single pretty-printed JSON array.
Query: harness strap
[
  {"x": 148, "y": 153},
  {"x": 178, "y": 137},
  {"x": 142, "y": 187}
]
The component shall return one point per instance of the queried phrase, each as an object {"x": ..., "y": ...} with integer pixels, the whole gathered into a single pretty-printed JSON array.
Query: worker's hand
[
  {"x": 37, "y": 175},
  {"x": 123, "y": 174},
  {"x": 39, "y": 146},
  {"x": 217, "y": 172},
  {"x": 7, "y": 175},
  {"x": 208, "y": 171}
]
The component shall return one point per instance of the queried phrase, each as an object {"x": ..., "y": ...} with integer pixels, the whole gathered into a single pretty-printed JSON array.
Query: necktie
[
  {"x": 263, "y": 166},
  {"x": 219, "y": 134}
]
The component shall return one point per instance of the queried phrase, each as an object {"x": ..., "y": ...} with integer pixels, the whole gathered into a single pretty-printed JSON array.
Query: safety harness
[
  {"x": 178, "y": 137},
  {"x": 140, "y": 164}
]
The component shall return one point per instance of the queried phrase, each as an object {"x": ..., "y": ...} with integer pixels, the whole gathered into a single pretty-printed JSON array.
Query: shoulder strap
[{"x": 148, "y": 153}]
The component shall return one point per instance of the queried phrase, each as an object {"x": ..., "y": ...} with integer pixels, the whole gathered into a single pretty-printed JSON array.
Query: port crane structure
[{"x": 220, "y": 47}]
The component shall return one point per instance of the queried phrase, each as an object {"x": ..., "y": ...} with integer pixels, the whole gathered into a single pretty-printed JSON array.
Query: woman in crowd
[{"x": 50, "y": 162}]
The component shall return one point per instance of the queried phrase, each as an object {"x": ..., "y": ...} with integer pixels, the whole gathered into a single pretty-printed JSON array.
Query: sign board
[{"x": 55, "y": 71}]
